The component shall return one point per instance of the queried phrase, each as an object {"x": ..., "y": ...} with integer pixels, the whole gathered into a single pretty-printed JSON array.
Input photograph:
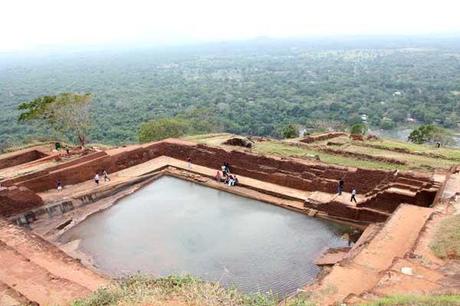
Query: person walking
[
  {"x": 189, "y": 161},
  {"x": 340, "y": 187},
  {"x": 96, "y": 178},
  {"x": 106, "y": 176},
  {"x": 353, "y": 196}
]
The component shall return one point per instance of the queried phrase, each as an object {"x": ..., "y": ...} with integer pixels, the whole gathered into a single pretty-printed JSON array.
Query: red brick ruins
[
  {"x": 18, "y": 159},
  {"x": 384, "y": 190}
]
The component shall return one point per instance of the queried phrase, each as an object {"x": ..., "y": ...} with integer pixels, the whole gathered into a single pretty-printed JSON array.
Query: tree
[
  {"x": 290, "y": 131},
  {"x": 163, "y": 128},
  {"x": 358, "y": 129},
  {"x": 66, "y": 113},
  {"x": 387, "y": 124},
  {"x": 430, "y": 133}
]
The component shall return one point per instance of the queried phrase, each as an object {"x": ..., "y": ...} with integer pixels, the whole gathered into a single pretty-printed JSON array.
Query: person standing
[
  {"x": 96, "y": 178},
  {"x": 227, "y": 167},
  {"x": 353, "y": 196},
  {"x": 59, "y": 185},
  {"x": 340, "y": 187},
  {"x": 189, "y": 161}
]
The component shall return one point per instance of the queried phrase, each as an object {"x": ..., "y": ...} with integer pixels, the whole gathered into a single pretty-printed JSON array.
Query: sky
[{"x": 30, "y": 24}]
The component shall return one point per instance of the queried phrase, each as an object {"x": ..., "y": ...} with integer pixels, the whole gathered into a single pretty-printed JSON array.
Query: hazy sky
[{"x": 36, "y": 23}]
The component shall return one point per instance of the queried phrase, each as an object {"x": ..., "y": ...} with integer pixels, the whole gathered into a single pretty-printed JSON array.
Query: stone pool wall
[{"x": 289, "y": 172}]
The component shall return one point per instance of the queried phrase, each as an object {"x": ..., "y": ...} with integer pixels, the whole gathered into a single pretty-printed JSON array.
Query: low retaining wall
[
  {"x": 21, "y": 158},
  {"x": 363, "y": 156},
  {"x": 321, "y": 137}
]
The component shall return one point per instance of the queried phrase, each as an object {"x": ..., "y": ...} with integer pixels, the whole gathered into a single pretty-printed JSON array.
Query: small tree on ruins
[
  {"x": 358, "y": 129},
  {"x": 66, "y": 113},
  {"x": 290, "y": 131}
]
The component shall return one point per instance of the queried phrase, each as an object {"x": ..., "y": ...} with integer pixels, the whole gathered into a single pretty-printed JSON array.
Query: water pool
[{"x": 174, "y": 226}]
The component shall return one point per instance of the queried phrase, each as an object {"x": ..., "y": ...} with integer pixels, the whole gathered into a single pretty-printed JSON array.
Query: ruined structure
[
  {"x": 383, "y": 190},
  {"x": 302, "y": 185}
]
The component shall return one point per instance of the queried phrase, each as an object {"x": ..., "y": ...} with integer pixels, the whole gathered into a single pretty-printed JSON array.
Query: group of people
[
  {"x": 226, "y": 177},
  {"x": 341, "y": 187},
  {"x": 105, "y": 175},
  {"x": 97, "y": 179}
]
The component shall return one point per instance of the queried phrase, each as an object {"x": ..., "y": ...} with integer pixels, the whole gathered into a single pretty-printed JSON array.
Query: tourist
[
  {"x": 224, "y": 170},
  {"x": 227, "y": 167},
  {"x": 353, "y": 196},
  {"x": 218, "y": 176},
  {"x": 59, "y": 185},
  {"x": 96, "y": 178},
  {"x": 340, "y": 188},
  {"x": 106, "y": 176},
  {"x": 231, "y": 180},
  {"x": 189, "y": 161},
  {"x": 235, "y": 180}
]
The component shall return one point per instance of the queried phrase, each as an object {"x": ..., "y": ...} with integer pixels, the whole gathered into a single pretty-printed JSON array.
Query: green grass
[
  {"x": 419, "y": 300},
  {"x": 281, "y": 149},
  {"x": 182, "y": 290},
  {"x": 412, "y": 147},
  {"x": 446, "y": 242},
  {"x": 273, "y": 147},
  {"x": 413, "y": 161}
]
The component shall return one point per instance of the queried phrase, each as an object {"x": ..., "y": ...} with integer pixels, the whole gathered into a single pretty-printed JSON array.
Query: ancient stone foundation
[{"x": 384, "y": 190}]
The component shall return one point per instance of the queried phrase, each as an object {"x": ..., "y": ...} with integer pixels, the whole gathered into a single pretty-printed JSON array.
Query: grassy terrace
[
  {"x": 442, "y": 158},
  {"x": 392, "y": 144},
  {"x": 413, "y": 300},
  {"x": 188, "y": 290},
  {"x": 177, "y": 290},
  {"x": 446, "y": 243}
]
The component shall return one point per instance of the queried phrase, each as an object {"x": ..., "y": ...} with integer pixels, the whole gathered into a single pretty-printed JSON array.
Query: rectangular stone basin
[{"x": 173, "y": 226}]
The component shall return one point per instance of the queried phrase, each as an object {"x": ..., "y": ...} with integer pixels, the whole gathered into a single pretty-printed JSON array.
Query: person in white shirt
[{"x": 353, "y": 196}]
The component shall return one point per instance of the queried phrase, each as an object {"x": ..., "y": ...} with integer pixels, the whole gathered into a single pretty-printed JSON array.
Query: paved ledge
[
  {"x": 361, "y": 273},
  {"x": 287, "y": 197}
]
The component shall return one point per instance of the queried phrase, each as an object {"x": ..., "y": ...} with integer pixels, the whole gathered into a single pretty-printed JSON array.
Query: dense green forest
[{"x": 253, "y": 87}]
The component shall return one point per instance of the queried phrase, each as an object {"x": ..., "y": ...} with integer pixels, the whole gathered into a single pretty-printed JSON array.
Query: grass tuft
[
  {"x": 419, "y": 300},
  {"x": 446, "y": 242},
  {"x": 176, "y": 290}
]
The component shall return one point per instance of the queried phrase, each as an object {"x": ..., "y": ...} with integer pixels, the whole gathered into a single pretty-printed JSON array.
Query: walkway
[
  {"x": 158, "y": 164},
  {"x": 161, "y": 162},
  {"x": 362, "y": 272}
]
